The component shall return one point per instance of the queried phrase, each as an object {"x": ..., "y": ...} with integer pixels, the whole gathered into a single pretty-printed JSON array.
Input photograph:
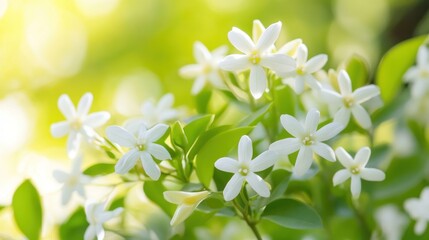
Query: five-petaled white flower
[
  {"x": 256, "y": 56},
  {"x": 187, "y": 202},
  {"x": 79, "y": 123},
  {"x": 141, "y": 142},
  {"x": 348, "y": 103},
  {"x": 96, "y": 216},
  {"x": 73, "y": 181},
  {"x": 303, "y": 73},
  {"x": 419, "y": 75},
  {"x": 161, "y": 112},
  {"x": 418, "y": 208},
  {"x": 355, "y": 169},
  {"x": 206, "y": 70},
  {"x": 244, "y": 169},
  {"x": 307, "y": 139}
]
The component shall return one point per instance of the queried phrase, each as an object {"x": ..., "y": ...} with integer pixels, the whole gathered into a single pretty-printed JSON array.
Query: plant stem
[{"x": 252, "y": 226}]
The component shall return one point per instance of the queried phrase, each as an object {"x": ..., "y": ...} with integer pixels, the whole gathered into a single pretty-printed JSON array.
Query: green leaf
[
  {"x": 75, "y": 226},
  {"x": 255, "y": 117},
  {"x": 100, "y": 169},
  {"x": 291, "y": 213},
  {"x": 27, "y": 210},
  {"x": 154, "y": 190},
  {"x": 202, "y": 100},
  {"x": 357, "y": 68},
  {"x": 393, "y": 109},
  {"x": 216, "y": 147},
  {"x": 285, "y": 101},
  {"x": 198, "y": 125},
  {"x": 178, "y": 136},
  {"x": 203, "y": 138},
  {"x": 279, "y": 182},
  {"x": 213, "y": 203},
  {"x": 394, "y": 65}
]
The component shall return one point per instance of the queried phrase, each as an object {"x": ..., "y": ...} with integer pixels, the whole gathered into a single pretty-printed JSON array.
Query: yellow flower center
[
  {"x": 300, "y": 70},
  {"x": 308, "y": 140},
  {"x": 207, "y": 68},
  {"x": 255, "y": 58},
  {"x": 348, "y": 102},
  {"x": 141, "y": 147},
  {"x": 355, "y": 170},
  {"x": 243, "y": 171},
  {"x": 424, "y": 73},
  {"x": 76, "y": 124}
]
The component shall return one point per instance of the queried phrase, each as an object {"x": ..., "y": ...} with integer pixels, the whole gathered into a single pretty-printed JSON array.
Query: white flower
[
  {"x": 392, "y": 222},
  {"x": 142, "y": 146},
  {"x": 304, "y": 70},
  {"x": 187, "y": 202},
  {"x": 355, "y": 169},
  {"x": 419, "y": 75},
  {"x": 206, "y": 70},
  {"x": 418, "y": 209},
  {"x": 348, "y": 103},
  {"x": 161, "y": 112},
  {"x": 79, "y": 124},
  {"x": 307, "y": 139},
  {"x": 244, "y": 169},
  {"x": 73, "y": 181},
  {"x": 256, "y": 56},
  {"x": 96, "y": 216}
]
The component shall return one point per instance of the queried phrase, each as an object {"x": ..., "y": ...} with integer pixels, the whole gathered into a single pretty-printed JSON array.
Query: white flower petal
[
  {"x": 216, "y": 80},
  {"x": 166, "y": 101},
  {"x": 60, "y": 129},
  {"x": 344, "y": 83},
  {"x": 257, "y": 81},
  {"x": 344, "y": 157},
  {"x": 312, "y": 121},
  {"x": 201, "y": 53},
  {"x": 60, "y": 176},
  {"x": 73, "y": 144},
  {"x": 372, "y": 174},
  {"x": 303, "y": 161},
  {"x": 181, "y": 214},
  {"x": 292, "y": 125},
  {"x": 420, "y": 226},
  {"x": 227, "y": 164},
  {"x": 328, "y": 131},
  {"x": 84, "y": 104},
  {"x": 90, "y": 233},
  {"x": 286, "y": 146},
  {"x": 413, "y": 207},
  {"x": 361, "y": 116},
  {"x": 158, "y": 151},
  {"x": 149, "y": 166},
  {"x": 199, "y": 84},
  {"x": 66, "y": 107},
  {"x": 263, "y": 161},
  {"x": 424, "y": 195},
  {"x": 120, "y": 136},
  {"x": 420, "y": 88},
  {"x": 301, "y": 55},
  {"x": 235, "y": 62},
  {"x": 278, "y": 62},
  {"x": 97, "y": 119},
  {"x": 290, "y": 47},
  {"x": 100, "y": 231},
  {"x": 107, "y": 215},
  {"x": 191, "y": 70},
  {"x": 411, "y": 74},
  {"x": 299, "y": 84},
  {"x": 365, "y": 93},
  {"x": 219, "y": 52},
  {"x": 324, "y": 151},
  {"x": 355, "y": 186},
  {"x": 316, "y": 63},
  {"x": 342, "y": 116},
  {"x": 127, "y": 161},
  {"x": 331, "y": 97},
  {"x": 341, "y": 176},
  {"x": 422, "y": 56},
  {"x": 66, "y": 194},
  {"x": 156, "y": 132},
  {"x": 312, "y": 82},
  {"x": 233, "y": 187},
  {"x": 362, "y": 156},
  {"x": 269, "y": 37},
  {"x": 245, "y": 149},
  {"x": 258, "y": 184},
  {"x": 176, "y": 197},
  {"x": 240, "y": 40}
]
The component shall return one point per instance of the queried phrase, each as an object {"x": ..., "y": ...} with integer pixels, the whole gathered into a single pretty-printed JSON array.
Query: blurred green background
[{"x": 125, "y": 52}]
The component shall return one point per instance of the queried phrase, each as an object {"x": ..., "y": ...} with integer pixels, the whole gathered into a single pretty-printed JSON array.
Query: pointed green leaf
[
  {"x": 75, "y": 226},
  {"x": 154, "y": 190},
  {"x": 100, "y": 169}
]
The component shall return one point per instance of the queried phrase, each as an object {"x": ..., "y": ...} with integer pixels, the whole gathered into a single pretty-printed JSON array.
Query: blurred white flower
[
  {"x": 79, "y": 124},
  {"x": 307, "y": 139},
  {"x": 392, "y": 222},
  {"x": 244, "y": 169},
  {"x": 3, "y": 7},
  {"x": 96, "y": 216},
  {"x": 256, "y": 56},
  {"x": 418, "y": 75},
  {"x": 74, "y": 181},
  {"x": 355, "y": 169},
  {"x": 141, "y": 142},
  {"x": 206, "y": 70},
  {"x": 418, "y": 209},
  {"x": 187, "y": 202},
  {"x": 160, "y": 112},
  {"x": 417, "y": 108},
  {"x": 304, "y": 70},
  {"x": 348, "y": 103}
]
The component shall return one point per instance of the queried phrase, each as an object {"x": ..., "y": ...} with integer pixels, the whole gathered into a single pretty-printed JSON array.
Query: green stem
[{"x": 362, "y": 221}]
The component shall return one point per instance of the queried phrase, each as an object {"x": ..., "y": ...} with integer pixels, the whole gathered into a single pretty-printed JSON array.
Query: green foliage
[
  {"x": 204, "y": 137},
  {"x": 178, "y": 136},
  {"x": 357, "y": 68},
  {"x": 27, "y": 210},
  {"x": 216, "y": 147},
  {"x": 394, "y": 65},
  {"x": 154, "y": 190},
  {"x": 291, "y": 213},
  {"x": 256, "y": 117},
  {"x": 75, "y": 226},
  {"x": 198, "y": 125},
  {"x": 100, "y": 169}
]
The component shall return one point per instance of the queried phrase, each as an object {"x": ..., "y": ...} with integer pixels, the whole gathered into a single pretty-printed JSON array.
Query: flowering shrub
[{"x": 267, "y": 166}]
